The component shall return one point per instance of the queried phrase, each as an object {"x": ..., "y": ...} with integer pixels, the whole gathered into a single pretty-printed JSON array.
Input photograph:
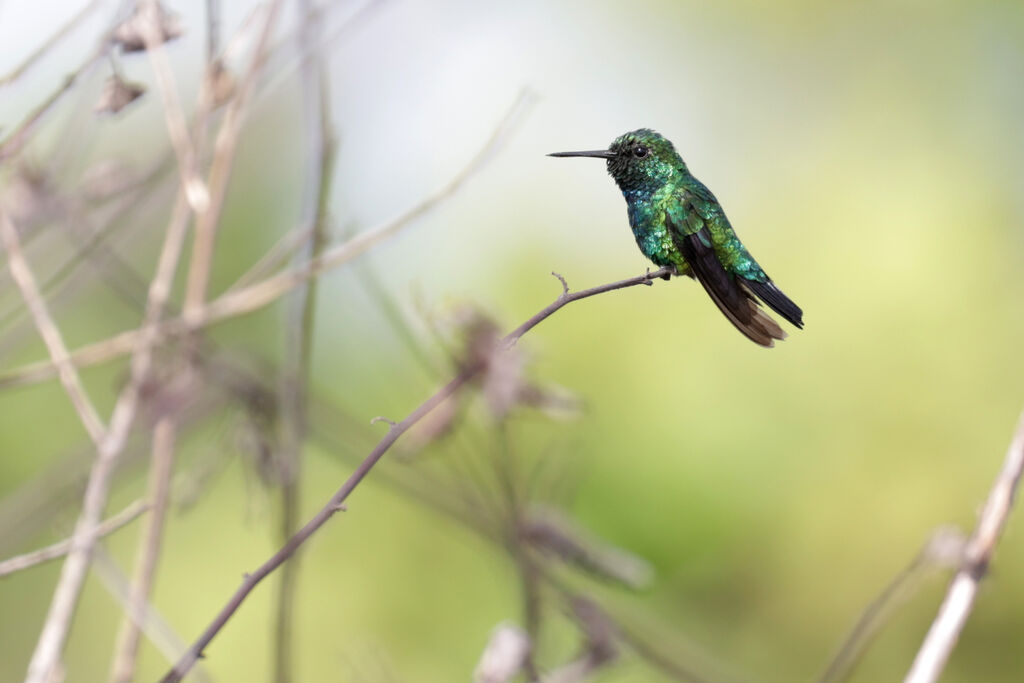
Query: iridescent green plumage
[{"x": 677, "y": 222}]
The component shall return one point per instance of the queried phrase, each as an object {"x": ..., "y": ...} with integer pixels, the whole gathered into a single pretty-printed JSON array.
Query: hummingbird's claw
[{"x": 663, "y": 276}]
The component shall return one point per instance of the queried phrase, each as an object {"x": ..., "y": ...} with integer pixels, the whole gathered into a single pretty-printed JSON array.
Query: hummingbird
[{"x": 679, "y": 224}]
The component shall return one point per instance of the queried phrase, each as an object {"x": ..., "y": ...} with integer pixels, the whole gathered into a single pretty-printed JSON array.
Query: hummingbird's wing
[{"x": 734, "y": 299}]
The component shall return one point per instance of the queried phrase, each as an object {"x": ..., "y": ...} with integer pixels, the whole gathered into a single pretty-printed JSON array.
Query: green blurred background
[{"x": 869, "y": 154}]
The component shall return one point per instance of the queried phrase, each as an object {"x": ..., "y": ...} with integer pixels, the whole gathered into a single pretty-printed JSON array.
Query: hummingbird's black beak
[{"x": 597, "y": 154}]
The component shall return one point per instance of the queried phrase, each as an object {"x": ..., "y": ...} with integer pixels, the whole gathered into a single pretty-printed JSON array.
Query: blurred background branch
[
  {"x": 943, "y": 550},
  {"x": 59, "y": 549},
  {"x": 963, "y": 591},
  {"x": 320, "y": 148}
]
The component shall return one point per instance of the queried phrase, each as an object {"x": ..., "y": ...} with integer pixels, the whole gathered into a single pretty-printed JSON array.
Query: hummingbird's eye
[{"x": 640, "y": 151}]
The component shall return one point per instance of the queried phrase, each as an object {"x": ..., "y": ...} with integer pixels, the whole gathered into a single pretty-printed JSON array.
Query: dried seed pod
[
  {"x": 151, "y": 21},
  {"x": 117, "y": 94}
]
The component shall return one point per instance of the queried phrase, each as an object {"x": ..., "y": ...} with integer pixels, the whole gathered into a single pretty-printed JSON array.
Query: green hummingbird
[{"x": 679, "y": 224}]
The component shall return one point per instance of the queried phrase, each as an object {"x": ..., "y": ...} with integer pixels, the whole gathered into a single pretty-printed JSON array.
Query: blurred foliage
[{"x": 867, "y": 153}]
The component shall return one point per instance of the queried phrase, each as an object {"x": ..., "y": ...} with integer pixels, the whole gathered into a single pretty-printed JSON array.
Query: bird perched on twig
[{"x": 679, "y": 224}]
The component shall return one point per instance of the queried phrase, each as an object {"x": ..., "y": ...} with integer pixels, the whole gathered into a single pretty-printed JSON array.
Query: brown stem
[
  {"x": 225, "y": 146},
  {"x": 61, "y": 548},
  {"x": 320, "y": 149},
  {"x": 240, "y": 301},
  {"x": 126, "y": 653},
  {"x": 397, "y": 430}
]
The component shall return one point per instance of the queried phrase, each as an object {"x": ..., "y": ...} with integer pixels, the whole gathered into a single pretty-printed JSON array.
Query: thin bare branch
[
  {"x": 256, "y": 296},
  {"x": 337, "y": 500},
  {"x": 72, "y": 578},
  {"x": 565, "y": 285},
  {"x": 195, "y": 190},
  {"x": 92, "y": 238},
  {"x": 225, "y": 147},
  {"x": 54, "y": 633},
  {"x": 654, "y": 643},
  {"x": 212, "y": 30},
  {"x": 273, "y": 258},
  {"x": 945, "y": 630},
  {"x": 319, "y": 152},
  {"x": 61, "y": 548},
  {"x": 126, "y": 651},
  {"x": 26, "y": 282},
  {"x": 943, "y": 549}
]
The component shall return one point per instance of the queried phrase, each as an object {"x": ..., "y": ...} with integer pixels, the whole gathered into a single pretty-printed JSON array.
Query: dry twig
[
  {"x": 945, "y": 630},
  {"x": 26, "y": 282},
  {"x": 320, "y": 150},
  {"x": 69, "y": 586},
  {"x": 225, "y": 146},
  {"x": 943, "y": 549},
  {"x": 184, "y": 147},
  {"x": 256, "y": 296},
  {"x": 396, "y": 431},
  {"x": 127, "y": 648},
  {"x": 61, "y": 548},
  {"x": 195, "y": 193}
]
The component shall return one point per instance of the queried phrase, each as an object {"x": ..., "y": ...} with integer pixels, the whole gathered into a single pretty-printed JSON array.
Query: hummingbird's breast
[{"x": 650, "y": 229}]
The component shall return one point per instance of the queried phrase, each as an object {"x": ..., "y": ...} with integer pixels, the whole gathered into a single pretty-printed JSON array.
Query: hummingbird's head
[{"x": 639, "y": 160}]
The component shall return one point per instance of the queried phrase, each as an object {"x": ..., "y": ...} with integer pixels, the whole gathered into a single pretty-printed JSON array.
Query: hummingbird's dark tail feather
[
  {"x": 779, "y": 302},
  {"x": 750, "y": 318},
  {"x": 728, "y": 292}
]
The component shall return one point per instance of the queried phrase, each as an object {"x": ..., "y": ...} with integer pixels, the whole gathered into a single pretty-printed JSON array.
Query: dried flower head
[
  {"x": 149, "y": 22},
  {"x": 502, "y": 370},
  {"x": 117, "y": 94}
]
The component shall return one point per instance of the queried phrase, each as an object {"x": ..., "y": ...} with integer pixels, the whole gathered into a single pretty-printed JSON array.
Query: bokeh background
[{"x": 869, "y": 154}]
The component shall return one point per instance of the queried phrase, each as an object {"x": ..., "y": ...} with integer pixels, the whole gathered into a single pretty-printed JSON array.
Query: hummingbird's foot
[
  {"x": 649, "y": 276},
  {"x": 663, "y": 276}
]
